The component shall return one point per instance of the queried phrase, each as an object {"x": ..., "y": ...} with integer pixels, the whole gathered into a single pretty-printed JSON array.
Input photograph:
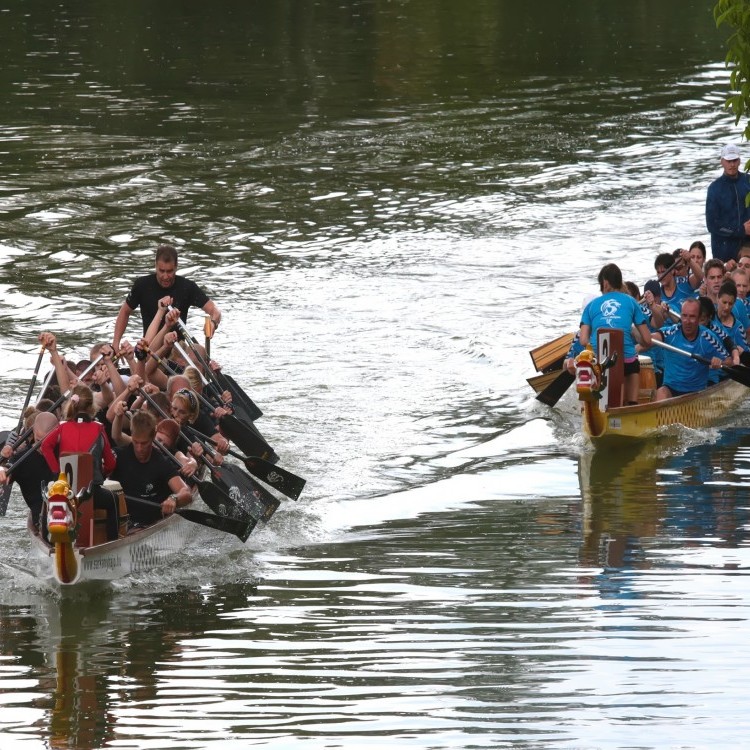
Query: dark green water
[{"x": 392, "y": 202}]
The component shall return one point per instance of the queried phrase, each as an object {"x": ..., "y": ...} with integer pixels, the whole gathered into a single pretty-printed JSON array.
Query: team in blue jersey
[
  {"x": 701, "y": 307},
  {"x": 701, "y": 310}
]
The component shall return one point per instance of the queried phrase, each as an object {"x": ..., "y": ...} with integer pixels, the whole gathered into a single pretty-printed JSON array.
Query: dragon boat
[
  {"x": 605, "y": 420},
  {"x": 73, "y": 548}
]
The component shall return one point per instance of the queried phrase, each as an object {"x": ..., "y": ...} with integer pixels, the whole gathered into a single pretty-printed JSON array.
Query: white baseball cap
[{"x": 730, "y": 152}]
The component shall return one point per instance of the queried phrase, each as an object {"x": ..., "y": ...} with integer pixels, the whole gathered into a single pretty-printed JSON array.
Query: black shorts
[
  {"x": 676, "y": 393},
  {"x": 632, "y": 368}
]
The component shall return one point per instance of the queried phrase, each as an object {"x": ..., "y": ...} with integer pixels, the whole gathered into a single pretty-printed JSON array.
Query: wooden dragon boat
[
  {"x": 606, "y": 421},
  {"x": 73, "y": 547},
  {"x": 138, "y": 551}
]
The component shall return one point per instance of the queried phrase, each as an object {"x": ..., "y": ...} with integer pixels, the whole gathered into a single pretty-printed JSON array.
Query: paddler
[
  {"x": 684, "y": 374},
  {"x": 617, "y": 309},
  {"x": 33, "y": 473},
  {"x": 145, "y": 473}
]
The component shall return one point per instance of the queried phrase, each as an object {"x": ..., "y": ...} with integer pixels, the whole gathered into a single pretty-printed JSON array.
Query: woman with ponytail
[{"x": 79, "y": 433}]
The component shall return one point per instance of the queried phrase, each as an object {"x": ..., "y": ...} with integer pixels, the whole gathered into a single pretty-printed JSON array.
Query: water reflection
[
  {"x": 390, "y": 199},
  {"x": 75, "y": 660},
  {"x": 641, "y": 502}
]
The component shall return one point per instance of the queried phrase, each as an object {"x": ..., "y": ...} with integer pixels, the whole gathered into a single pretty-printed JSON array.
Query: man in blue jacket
[{"x": 727, "y": 215}]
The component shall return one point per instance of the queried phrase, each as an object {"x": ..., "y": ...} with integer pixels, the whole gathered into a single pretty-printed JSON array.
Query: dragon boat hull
[
  {"x": 606, "y": 420},
  {"x": 137, "y": 552},
  {"x": 695, "y": 410},
  {"x": 74, "y": 547}
]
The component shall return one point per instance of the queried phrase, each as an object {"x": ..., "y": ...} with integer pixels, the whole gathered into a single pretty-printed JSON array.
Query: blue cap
[{"x": 654, "y": 287}]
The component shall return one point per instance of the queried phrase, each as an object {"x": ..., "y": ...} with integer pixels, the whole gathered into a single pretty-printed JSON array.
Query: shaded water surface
[{"x": 392, "y": 202}]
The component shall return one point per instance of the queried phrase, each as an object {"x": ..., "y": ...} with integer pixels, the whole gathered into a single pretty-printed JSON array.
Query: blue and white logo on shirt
[{"x": 610, "y": 310}]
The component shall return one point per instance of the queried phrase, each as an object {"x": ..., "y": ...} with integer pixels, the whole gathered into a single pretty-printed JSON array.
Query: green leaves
[{"x": 735, "y": 14}]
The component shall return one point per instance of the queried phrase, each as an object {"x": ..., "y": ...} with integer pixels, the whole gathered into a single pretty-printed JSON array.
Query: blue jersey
[
  {"x": 726, "y": 338},
  {"x": 614, "y": 310},
  {"x": 675, "y": 304},
  {"x": 683, "y": 290},
  {"x": 685, "y": 374},
  {"x": 656, "y": 354},
  {"x": 740, "y": 313},
  {"x": 735, "y": 332},
  {"x": 575, "y": 346}
]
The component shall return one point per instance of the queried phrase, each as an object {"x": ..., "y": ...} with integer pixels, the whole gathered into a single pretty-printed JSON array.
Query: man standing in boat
[
  {"x": 154, "y": 291},
  {"x": 616, "y": 309},
  {"x": 683, "y": 374},
  {"x": 727, "y": 214}
]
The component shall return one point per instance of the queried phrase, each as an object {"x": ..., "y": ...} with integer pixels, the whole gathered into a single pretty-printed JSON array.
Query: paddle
[
  {"x": 252, "y": 435},
  {"x": 245, "y": 435},
  {"x": 207, "y": 331},
  {"x": 64, "y": 397},
  {"x": 255, "y": 498},
  {"x": 5, "y": 497},
  {"x": 234, "y": 389},
  {"x": 213, "y": 495},
  {"x": 739, "y": 374},
  {"x": 247, "y": 438},
  {"x": 251, "y": 505},
  {"x": 557, "y": 388},
  {"x": 14, "y": 465},
  {"x": 45, "y": 384},
  {"x": 241, "y": 529},
  {"x": 280, "y": 479},
  {"x": 239, "y": 397},
  {"x": 256, "y": 501},
  {"x": 31, "y": 389}
]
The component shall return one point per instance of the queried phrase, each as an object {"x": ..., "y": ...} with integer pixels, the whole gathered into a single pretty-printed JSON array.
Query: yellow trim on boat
[{"x": 695, "y": 410}]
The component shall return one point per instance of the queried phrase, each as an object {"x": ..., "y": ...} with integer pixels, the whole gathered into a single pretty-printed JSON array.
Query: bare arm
[
  {"x": 136, "y": 366},
  {"x": 585, "y": 335},
  {"x": 121, "y": 324},
  {"x": 118, "y": 436},
  {"x": 210, "y": 308},
  {"x": 120, "y": 403},
  {"x": 184, "y": 496},
  {"x": 158, "y": 320},
  {"x": 113, "y": 373},
  {"x": 61, "y": 369},
  {"x": 645, "y": 335}
]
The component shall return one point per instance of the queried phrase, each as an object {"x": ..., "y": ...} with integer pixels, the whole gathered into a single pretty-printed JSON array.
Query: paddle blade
[
  {"x": 551, "y": 355},
  {"x": 280, "y": 479},
  {"x": 218, "y": 499},
  {"x": 254, "y": 500},
  {"x": 739, "y": 373},
  {"x": 248, "y": 439},
  {"x": 4, "y": 498},
  {"x": 240, "y": 529},
  {"x": 239, "y": 397},
  {"x": 556, "y": 389}
]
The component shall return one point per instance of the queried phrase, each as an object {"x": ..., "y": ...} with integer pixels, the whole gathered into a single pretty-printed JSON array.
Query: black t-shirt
[
  {"x": 149, "y": 480},
  {"x": 146, "y": 294},
  {"x": 29, "y": 477},
  {"x": 205, "y": 424}
]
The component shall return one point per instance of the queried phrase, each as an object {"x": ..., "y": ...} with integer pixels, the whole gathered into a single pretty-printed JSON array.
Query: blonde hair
[
  {"x": 81, "y": 403},
  {"x": 190, "y": 402},
  {"x": 193, "y": 376}
]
